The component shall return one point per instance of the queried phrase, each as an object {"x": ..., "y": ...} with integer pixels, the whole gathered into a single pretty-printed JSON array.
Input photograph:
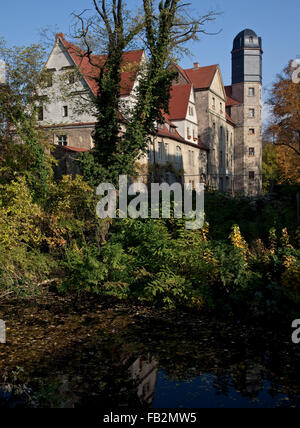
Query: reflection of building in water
[
  {"x": 248, "y": 378},
  {"x": 144, "y": 371}
]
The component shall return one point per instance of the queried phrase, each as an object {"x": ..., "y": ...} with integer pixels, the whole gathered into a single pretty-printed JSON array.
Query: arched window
[{"x": 178, "y": 156}]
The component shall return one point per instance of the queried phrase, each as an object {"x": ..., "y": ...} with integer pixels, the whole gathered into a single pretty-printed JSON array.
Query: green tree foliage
[
  {"x": 270, "y": 167},
  {"x": 19, "y": 100}
]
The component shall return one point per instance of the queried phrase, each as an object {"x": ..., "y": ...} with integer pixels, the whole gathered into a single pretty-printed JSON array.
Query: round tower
[{"x": 247, "y": 89}]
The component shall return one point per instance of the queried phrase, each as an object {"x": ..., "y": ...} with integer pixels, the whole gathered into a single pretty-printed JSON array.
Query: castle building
[
  {"x": 212, "y": 133},
  {"x": 246, "y": 88}
]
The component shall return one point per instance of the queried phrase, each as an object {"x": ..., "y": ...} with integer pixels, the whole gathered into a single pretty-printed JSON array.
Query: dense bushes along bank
[{"x": 156, "y": 261}]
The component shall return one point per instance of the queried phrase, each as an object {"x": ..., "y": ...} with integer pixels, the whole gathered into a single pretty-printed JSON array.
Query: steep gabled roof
[
  {"x": 179, "y": 102},
  {"x": 130, "y": 65},
  {"x": 230, "y": 101},
  {"x": 182, "y": 72},
  {"x": 201, "y": 77}
]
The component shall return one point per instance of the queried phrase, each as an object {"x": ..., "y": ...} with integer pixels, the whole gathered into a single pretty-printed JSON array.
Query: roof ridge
[{"x": 204, "y": 66}]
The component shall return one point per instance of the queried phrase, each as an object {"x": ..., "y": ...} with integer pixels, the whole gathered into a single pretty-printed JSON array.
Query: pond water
[{"x": 112, "y": 357}]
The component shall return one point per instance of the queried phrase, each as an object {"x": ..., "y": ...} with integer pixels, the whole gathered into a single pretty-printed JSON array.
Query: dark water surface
[{"x": 60, "y": 356}]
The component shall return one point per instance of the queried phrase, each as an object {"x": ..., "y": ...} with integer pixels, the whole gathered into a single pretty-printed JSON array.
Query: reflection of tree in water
[{"x": 119, "y": 366}]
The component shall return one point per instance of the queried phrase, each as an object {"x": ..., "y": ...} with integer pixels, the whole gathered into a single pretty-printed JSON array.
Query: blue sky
[{"x": 276, "y": 21}]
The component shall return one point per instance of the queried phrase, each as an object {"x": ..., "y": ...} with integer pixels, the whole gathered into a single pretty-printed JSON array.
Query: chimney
[
  {"x": 196, "y": 65},
  {"x": 60, "y": 36}
]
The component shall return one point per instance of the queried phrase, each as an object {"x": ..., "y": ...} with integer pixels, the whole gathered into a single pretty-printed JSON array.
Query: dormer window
[{"x": 160, "y": 126}]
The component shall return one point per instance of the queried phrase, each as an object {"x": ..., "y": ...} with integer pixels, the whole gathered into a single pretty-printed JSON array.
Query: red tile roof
[
  {"x": 73, "y": 149},
  {"x": 166, "y": 131},
  {"x": 131, "y": 62},
  {"x": 179, "y": 102},
  {"x": 230, "y": 100},
  {"x": 202, "y": 77}
]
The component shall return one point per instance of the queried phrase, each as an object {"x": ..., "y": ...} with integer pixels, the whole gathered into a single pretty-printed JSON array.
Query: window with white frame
[
  {"x": 178, "y": 156},
  {"x": 166, "y": 149},
  {"x": 62, "y": 140},
  {"x": 251, "y": 112},
  {"x": 160, "y": 151},
  {"x": 251, "y": 151}
]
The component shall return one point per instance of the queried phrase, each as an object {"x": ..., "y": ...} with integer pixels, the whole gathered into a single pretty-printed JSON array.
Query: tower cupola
[{"x": 247, "y": 57}]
